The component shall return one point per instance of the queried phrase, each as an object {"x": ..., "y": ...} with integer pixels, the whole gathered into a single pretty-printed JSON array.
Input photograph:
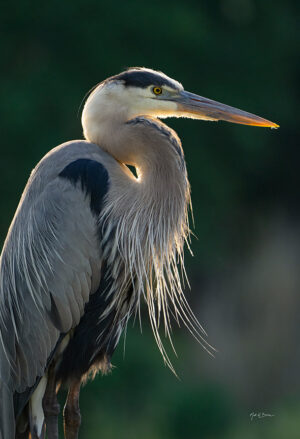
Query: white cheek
[
  {"x": 147, "y": 105},
  {"x": 164, "y": 108}
]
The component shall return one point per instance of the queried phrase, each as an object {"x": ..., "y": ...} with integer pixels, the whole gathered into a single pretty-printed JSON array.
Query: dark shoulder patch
[{"x": 93, "y": 177}]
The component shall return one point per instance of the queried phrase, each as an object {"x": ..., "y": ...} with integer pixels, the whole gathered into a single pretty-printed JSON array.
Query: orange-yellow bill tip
[{"x": 250, "y": 119}]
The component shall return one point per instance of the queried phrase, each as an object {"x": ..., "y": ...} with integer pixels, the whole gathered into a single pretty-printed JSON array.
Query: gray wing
[{"x": 50, "y": 265}]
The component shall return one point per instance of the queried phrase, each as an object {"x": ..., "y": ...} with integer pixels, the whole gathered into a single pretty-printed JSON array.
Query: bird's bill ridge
[{"x": 199, "y": 107}]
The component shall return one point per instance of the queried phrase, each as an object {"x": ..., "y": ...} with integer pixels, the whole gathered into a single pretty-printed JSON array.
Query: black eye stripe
[{"x": 143, "y": 79}]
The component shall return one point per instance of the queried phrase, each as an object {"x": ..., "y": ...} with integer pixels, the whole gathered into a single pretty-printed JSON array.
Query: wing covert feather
[{"x": 50, "y": 265}]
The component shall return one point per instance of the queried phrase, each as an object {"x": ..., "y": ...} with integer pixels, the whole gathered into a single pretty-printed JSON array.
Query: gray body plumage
[{"x": 48, "y": 257}]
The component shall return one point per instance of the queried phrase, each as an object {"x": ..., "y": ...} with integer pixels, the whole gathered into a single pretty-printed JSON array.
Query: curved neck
[{"x": 144, "y": 142}]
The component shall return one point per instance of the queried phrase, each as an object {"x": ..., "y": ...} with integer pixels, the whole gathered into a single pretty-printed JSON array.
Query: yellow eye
[{"x": 157, "y": 90}]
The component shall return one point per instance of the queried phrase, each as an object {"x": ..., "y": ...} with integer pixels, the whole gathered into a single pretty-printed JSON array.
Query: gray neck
[{"x": 144, "y": 142}]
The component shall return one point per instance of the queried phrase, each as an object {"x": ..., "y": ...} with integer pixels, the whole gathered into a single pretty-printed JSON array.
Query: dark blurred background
[{"x": 245, "y": 181}]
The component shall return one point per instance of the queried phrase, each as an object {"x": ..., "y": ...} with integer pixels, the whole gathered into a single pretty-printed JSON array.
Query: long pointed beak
[{"x": 198, "y": 107}]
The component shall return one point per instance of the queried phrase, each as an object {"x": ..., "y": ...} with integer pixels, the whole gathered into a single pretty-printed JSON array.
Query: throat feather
[{"x": 151, "y": 226}]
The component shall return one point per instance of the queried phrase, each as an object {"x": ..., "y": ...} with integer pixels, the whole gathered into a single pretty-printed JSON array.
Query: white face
[
  {"x": 114, "y": 97},
  {"x": 154, "y": 101}
]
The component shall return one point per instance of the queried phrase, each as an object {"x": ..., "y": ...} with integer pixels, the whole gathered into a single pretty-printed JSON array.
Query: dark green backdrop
[{"x": 245, "y": 189}]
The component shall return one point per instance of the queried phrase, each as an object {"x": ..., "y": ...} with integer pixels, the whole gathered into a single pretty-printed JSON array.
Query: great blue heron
[{"x": 89, "y": 239}]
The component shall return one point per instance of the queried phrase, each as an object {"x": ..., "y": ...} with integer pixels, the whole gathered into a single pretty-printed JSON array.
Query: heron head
[{"x": 140, "y": 91}]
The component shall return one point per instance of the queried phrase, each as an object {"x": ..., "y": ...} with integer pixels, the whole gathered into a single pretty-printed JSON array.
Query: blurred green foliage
[{"x": 240, "y": 52}]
